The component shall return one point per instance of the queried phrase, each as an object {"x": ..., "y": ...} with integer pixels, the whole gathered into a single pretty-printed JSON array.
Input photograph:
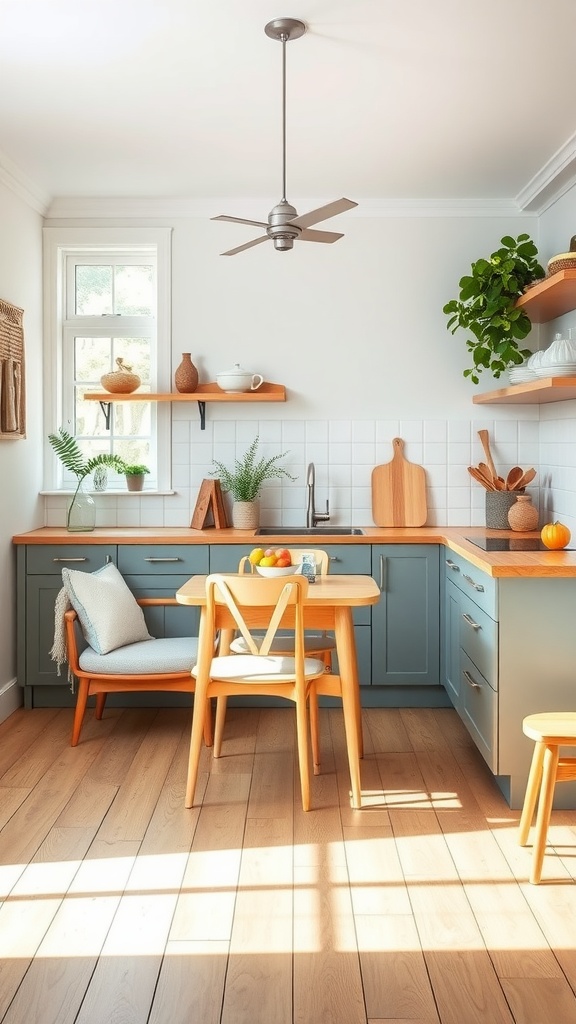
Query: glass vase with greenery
[
  {"x": 68, "y": 451},
  {"x": 487, "y": 308}
]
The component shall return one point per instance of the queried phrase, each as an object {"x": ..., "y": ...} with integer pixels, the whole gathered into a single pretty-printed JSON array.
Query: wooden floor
[{"x": 118, "y": 906}]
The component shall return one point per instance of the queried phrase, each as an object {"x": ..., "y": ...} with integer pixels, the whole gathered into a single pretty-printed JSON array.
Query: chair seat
[
  {"x": 248, "y": 668},
  {"x": 147, "y": 657},
  {"x": 285, "y": 644}
]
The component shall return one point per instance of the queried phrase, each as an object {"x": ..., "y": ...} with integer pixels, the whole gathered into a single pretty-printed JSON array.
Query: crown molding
[
  {"x": 89, "y": 208},
  {"x": 17, "y": 182},
  {"x": 551, "y": 182}
]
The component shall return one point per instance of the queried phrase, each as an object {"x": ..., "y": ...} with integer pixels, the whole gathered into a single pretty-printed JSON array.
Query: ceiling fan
[{"x": 284, "y": 225}]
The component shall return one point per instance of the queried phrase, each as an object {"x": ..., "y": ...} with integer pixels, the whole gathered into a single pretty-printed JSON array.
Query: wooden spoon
[
  {"x": 515, "y": 474},
  {"x": 525, "y": 479},
  {"x": 499, "y": 483},
  {"x": 483, "y": 469},
  {"x": 480, "y": 478}
]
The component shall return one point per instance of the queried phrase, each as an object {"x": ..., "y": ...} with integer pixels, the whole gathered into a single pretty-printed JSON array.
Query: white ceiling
[{"x": 387, "y": 99}]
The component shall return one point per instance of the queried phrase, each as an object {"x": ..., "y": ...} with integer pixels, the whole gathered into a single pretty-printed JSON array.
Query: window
[{"x": 107, "y": 300}]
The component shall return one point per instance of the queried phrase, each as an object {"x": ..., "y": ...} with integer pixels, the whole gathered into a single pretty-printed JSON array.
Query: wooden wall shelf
[
  {"x": 553, "y": 297},
  {"x": 537, "y": 392},
  {"x": 267, "y": 392}
]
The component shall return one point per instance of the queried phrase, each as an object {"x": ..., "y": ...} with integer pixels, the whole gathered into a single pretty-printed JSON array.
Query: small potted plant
[
  {"x": 135, "y": 476},
  {"x": 244, "y": 483},
  {"x": 80, "y": 516},
  {"x": 487, "y": 306}
]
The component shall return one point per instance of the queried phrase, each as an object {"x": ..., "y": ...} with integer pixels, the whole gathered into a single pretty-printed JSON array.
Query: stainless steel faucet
[{"x": 312, "y": 516}]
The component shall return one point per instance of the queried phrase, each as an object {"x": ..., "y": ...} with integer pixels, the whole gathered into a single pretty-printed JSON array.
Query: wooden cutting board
[{"x": 399, "y": 491}]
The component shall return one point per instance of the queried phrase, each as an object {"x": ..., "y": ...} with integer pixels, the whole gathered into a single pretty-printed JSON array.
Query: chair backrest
[
  {"x": 321, "y": 558},
  {"x": 232, "y": 597}
]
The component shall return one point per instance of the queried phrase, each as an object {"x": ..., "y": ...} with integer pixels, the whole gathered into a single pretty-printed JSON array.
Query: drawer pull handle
[
  {"x": 470, "y": 621},
  {"x": 69, "y": 559},
  {"x": 162, "y": 559},
  {"x": 477, "y": 586},
  {"x": 471, "y": 682},
  {"x": 452, "y": 565},
  {"x": 333, "y": 558},
  {"x": 382, "y": 573}
]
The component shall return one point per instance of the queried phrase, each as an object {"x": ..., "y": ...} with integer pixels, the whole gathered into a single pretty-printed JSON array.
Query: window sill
[{"x": 109, "y": 494}]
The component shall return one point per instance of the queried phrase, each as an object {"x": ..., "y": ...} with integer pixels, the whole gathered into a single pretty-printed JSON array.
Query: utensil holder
[{"x": 498, "y": 504}]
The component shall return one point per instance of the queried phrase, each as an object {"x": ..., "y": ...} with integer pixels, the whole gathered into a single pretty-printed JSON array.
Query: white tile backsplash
[{"x": 344, "y": 453}]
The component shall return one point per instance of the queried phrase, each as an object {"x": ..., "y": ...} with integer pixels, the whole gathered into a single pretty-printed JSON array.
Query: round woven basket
[
  {"x": 121, "y": 381},
  {"x": 564, "y": 261}
]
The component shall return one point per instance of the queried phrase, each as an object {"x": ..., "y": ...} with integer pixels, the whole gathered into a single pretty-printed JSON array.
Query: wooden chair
[
  {"x": 240, "y": 602},
  {"x": 317, "y": 645},
  {"x": 162, "y": 664},
  {"x": 550, "y": 731}
]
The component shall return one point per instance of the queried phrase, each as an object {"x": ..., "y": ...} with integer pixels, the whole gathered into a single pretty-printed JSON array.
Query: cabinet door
[
  {"x": 406, "y": 620},
  {"x": 452, "y": 678}
]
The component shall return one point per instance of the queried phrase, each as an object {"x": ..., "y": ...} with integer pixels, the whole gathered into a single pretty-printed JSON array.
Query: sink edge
[{"x": 312, "y": 531}]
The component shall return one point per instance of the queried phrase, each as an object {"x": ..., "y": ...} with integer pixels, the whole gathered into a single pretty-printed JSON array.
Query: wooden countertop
[{"x": 500, "y": 564}]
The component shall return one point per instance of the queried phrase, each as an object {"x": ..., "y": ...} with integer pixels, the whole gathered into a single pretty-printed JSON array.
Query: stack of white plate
[
  {"x": 555, "y": 370},
  {"x": 521, "y": 374}
]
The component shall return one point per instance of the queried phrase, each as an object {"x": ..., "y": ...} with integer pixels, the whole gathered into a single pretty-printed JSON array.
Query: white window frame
[{"x": 59, "y": 244}]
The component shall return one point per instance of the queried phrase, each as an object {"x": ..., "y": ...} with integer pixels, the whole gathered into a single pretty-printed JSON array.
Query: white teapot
[{"x": 237, "y": 380}]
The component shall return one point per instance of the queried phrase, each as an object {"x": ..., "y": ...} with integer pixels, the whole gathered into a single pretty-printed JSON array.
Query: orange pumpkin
[{"x": 555, "y": 535}]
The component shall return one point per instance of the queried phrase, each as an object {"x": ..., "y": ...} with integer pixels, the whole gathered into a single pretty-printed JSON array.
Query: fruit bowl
[{"x": 272, "y": 570}]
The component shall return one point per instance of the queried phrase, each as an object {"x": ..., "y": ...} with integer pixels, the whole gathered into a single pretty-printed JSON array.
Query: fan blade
[
  {"x": 319, "y": 236},
  {"x": 247, "y": 245},
  {"x": 241, "y": 220},
  {"x": 324, "y": 212}
]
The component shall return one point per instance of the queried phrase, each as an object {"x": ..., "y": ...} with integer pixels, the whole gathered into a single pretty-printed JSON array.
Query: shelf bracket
[
  {"x": 106, "y": 409},
  {"x": 202, "y": 411}
]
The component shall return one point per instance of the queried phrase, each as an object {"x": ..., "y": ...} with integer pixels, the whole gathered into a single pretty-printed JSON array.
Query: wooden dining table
[{"x": 328, "y": 606}]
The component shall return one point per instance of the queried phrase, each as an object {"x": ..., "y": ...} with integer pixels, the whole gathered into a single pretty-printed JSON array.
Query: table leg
[
  {"x": 205, "y": 653},
  {"x": 348, "y": 670}
]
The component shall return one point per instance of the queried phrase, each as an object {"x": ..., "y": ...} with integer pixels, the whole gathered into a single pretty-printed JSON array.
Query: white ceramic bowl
[{"x": 272, "y": 570}]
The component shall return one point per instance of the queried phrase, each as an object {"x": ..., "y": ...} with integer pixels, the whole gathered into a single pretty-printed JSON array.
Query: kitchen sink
[{"x": 309, "y": 531}]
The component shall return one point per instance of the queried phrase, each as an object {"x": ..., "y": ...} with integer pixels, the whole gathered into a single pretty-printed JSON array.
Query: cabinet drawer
[
  {"x": 164, "y": 559},
  {"x": 472, "y": 581},
  {"x": 478, "y": 635},
  {"x": 44, "y": 560},
  {"x": 479, "y": 710}
]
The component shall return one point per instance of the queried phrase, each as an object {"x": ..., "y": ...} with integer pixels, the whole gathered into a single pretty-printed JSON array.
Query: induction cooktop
[{"x": 511, "y": 544}]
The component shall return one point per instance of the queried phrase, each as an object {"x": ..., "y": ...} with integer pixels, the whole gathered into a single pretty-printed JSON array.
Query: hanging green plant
[{"x": 486, "y": 306}]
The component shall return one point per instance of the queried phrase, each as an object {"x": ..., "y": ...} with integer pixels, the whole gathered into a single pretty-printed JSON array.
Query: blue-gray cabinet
[{"x": 406, "y": 620}]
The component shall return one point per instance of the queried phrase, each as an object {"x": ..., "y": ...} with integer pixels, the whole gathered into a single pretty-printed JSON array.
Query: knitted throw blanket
[{"x": 59, "y": 654}]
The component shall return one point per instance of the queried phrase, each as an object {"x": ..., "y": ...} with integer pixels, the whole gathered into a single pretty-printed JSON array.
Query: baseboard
[{"x": 10, "y": 699}]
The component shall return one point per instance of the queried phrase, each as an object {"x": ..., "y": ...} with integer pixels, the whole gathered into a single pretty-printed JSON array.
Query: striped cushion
[{"x": 148, "y": 657}]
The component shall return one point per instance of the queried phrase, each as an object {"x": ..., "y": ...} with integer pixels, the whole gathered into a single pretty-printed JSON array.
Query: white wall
[
  {"x": 558, "y": 419},
  {"x": 356, "y": 333},
  {"x": 21, "y": 508}
]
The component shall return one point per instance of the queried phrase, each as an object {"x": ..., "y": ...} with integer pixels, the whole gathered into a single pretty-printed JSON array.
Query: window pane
[
  {"x": 93, "y": 290},
  {"x": 92, "y": 358},
  {"x": 134, "y": 291}
]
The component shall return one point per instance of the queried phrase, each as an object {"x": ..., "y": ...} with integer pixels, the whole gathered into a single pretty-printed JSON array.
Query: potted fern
[
  {"x": 244, "y": 483},
  {"x": 486, "y": 306},
  {"x": 81, "y": 514}
]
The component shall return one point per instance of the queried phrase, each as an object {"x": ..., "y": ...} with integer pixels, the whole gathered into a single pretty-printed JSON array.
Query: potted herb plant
[
  {"x": 135, "y": 476},
  {"x": 81, "y": 514},
  {"x": 244, "y": 483},
  {"x": 487, "y": 308}
]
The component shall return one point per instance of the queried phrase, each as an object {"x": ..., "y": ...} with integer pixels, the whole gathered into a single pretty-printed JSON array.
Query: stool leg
[
  {"x": 531, "y": 795},
  {"x": 549, "y": 770}
]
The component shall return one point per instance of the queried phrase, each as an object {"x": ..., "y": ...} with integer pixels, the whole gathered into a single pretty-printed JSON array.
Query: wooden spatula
[
  {"x": 498, "y": 480},
  {"x": 514, "y": 475},
  {"x": 525, "y": 479}
]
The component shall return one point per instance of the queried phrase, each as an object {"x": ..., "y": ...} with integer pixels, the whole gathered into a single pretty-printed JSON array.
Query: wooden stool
[{"x": 550, "y": 730}]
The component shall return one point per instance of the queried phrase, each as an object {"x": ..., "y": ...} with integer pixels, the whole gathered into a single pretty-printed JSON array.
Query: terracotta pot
[
  {"x": 523, "y": 515},
  {"x": 135, "y": 482},
  {"x": 186, "y": 375}
]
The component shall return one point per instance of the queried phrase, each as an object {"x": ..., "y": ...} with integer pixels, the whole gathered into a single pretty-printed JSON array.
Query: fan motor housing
[{"x": 280, "y": 227}]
